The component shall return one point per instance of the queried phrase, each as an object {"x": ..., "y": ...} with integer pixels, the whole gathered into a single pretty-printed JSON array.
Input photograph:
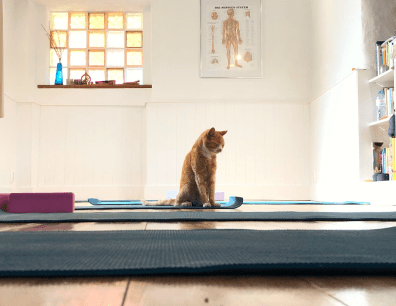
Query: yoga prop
[
  {"x": 38, "y": 254},
  {"x": 39, "y": 202},
  {"x": 233, "y": 202},
  {"x": 193, "y": 215}
]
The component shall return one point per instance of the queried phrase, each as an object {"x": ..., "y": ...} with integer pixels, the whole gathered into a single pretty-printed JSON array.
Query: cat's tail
[{"x": 159, "y": 203}]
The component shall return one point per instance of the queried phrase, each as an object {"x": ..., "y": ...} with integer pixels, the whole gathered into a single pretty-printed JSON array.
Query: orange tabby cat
[{"x": 197, "y": 184}]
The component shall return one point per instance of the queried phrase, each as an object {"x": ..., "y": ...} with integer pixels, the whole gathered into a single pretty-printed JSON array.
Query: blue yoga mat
[
  {"x": 233, "y": 202},
  {"x": 136, "y": 204}
]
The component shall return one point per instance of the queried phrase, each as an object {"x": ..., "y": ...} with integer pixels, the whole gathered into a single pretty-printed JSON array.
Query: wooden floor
[{"x": 206, "y": 290}]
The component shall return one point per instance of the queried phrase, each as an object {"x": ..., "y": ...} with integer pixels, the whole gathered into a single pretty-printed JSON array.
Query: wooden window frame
[
  {"x": 126, "y": 39},
  {"x": 88, "y": 48},
  {"x": 126, "y": 57}
]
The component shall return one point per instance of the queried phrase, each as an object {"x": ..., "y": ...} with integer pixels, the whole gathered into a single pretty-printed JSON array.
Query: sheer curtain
[{"x": 1, "y": 62}]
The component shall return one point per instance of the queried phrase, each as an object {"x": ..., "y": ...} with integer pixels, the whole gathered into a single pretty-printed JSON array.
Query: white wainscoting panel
[
  {"x": 8, "y": 136},
  {"x": 91, "y": 148},
  {"x": 266, "y": 154}
]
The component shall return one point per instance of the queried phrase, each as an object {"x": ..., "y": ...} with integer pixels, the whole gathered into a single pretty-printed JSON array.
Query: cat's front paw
[
  {"x": 186, "y": 204},
  {"x": 214, "y": 204},
  {"x": 207, "y": 205}
]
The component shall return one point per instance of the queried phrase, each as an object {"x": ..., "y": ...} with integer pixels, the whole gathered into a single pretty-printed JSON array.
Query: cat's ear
[
  {"x": 222, "y": 133},
  {"x": 211, "y": 132}
]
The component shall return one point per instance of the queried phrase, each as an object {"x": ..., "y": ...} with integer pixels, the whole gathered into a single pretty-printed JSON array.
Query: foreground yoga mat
[
  {"x": 233, "y": 202},
  {"x": 175, "y": 216},
  {"x": 196, "y": 251}
]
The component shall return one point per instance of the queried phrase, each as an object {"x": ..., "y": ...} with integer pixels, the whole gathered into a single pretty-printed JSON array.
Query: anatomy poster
[{"x": 231, "y": 38}]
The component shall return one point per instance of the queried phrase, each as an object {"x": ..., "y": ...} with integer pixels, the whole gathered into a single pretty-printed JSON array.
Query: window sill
[{"x": 95, "y": 86}]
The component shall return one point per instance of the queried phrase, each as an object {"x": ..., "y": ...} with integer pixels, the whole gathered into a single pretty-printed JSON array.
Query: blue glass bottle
[{"x": 59, "y": 75}]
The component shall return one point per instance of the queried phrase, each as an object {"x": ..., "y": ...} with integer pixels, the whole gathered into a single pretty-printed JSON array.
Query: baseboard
[
  {"x": 82, "y": 193},
  {"x": 248, "y": 192},
  {"x": 377, "y": 193},
  {"x": 5, "y": 189}
]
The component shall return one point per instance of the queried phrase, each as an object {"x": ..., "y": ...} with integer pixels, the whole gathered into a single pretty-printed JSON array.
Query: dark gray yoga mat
[
  {"x": 196, "y": 251},
  {"x": 175, "y": 216}
]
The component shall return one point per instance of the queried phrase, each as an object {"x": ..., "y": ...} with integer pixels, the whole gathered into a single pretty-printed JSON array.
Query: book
[{"x": 393, "y": 159}]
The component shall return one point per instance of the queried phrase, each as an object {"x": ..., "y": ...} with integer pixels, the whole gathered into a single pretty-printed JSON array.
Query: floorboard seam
[
  {"x": 322, "y": 290},
  {"x": 126, "y": 292}
]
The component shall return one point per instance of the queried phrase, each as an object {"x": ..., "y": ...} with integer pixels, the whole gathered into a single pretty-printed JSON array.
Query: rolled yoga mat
[
  {"x": 193, "y": 215},
  {"x": 196, "y": 251}
]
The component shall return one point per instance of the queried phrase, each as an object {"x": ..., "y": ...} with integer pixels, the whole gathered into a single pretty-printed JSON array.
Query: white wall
[
  {"x": 286, "y": 55},
  {"x": 335, "y": 141},
  {"x": 337, "y": 42},
  {"x": 379, "y": 23},
  {"x": 343, "y": 106},
  {"x": 21, "y": 22},
  {"x": 266, "y": 118},
  {"x": 91, "y": 151},
  {"x": 8, "y": 145},
  {"x": 266, "y": 154},
  {"x": 85, "y": 140}
]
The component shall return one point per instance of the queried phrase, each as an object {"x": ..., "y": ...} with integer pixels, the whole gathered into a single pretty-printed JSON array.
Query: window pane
[
  {"x": 115, "y": 21},
  {"x": 76, "y": 74},
  {"x": 54, "y": 60},
  {"x": 134, "y": 58},
  {"x": 134, "y": 39},
  {"x": 133, "y": 75},
  {"x": 77, "y": 39},
  {"x": 115, "y": 39},
  {"x": 116, "y": 74},
  {"x": 53, "y": 75},
  {"x": 78, "y": 58},
  {"x": 60, "y": 38},
  {"x": 59, "y": 21},
  {"x": 96, "y": 21},
  {"x": 97, "y": 39},
  {"x": 134, "y": 21},
  {"x": 96, "y": 58},
  {"x": 115, "y": 58},
  {"x": 77, "y": 21},
  {"x": 97, "y": 75}
]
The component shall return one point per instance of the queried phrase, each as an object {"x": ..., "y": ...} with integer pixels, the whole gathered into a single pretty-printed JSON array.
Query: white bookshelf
[
  {"x": 385, "y": 80},
  {"x": 379, "y": 129}
]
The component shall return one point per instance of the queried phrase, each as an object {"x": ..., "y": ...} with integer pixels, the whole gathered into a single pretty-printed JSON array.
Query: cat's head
[{"x": 214, "y": 140}]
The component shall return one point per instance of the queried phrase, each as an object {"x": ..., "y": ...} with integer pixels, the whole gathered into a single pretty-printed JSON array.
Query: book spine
[
  {"x": 393, "y": 160},
  {"x": 389, "y": 102},
  {"x": 378, "y": 50},
  {"x": 386, "y": 100}
]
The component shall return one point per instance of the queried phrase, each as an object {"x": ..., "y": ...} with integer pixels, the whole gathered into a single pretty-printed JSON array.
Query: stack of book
[
  {"x": 388, "y": 160},
  {"x": 386, "y": 51}
]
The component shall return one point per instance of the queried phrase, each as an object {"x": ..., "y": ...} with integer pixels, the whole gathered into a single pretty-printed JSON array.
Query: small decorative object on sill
[
  {"x": 111, "y": 82},
  {"x": 132, "y": 83},
  {"x": 75, "y": 82},
  {"x": 56, "y": 46},
  {"x": 85, "y": 79},
  {"x": 59, "y": 74}
]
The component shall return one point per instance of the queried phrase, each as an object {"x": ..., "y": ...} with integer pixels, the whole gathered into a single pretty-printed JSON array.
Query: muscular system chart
[{"x": 230, "y": 38}]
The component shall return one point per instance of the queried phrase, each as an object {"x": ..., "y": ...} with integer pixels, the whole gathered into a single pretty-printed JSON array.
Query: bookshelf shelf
[
  {"x": 381, "y": 123},
  {"x": 384, "y": 80}
]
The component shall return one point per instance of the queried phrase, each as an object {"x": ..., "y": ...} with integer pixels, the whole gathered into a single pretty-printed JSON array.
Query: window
[{"x": 108, "y": 46}]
